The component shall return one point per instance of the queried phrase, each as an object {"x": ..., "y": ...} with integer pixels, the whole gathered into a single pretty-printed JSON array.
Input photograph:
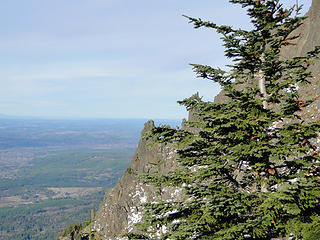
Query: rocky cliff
[{"x": 120, "y": 209}]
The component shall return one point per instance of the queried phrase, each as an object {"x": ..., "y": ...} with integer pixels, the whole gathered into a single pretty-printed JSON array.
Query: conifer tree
[{"x": 249, "y": 167}]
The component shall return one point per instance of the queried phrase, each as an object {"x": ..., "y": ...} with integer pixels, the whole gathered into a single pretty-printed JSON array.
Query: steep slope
[{"x": 120, "y": 209}]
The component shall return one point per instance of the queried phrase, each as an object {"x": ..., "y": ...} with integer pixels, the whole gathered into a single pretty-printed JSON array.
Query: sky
[{"x": 108, "y": 58}]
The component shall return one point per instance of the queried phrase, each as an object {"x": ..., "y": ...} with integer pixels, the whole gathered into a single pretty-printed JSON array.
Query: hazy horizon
[{"x": 108, "y": 59}]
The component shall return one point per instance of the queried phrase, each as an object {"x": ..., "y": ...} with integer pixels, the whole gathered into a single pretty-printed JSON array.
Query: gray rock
[{"x": 121, "y": 208}]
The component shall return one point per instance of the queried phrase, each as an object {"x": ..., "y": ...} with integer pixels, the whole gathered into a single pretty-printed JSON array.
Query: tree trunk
[{"x": 262, "y": 85}]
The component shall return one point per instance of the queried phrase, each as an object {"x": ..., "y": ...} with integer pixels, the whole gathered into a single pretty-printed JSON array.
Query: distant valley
[{"x": 54, "y": 172}]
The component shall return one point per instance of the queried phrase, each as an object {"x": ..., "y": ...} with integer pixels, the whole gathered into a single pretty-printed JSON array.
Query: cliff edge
[{"x": 120, "y": 210}]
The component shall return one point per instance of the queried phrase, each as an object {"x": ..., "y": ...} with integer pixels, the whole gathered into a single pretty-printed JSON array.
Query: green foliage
[
  {"x": 45, "y": 218},
  {"x": 75, "y": 228},
  {"x": 248, "y": 171}
]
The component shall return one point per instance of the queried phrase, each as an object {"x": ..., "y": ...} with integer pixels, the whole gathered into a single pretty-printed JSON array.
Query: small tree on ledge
[{"x": 250, "y": 168}]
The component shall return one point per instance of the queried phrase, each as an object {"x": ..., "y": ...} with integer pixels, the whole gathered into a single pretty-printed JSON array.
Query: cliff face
[
  {"x": 310, "y": 39},
  {"x": 120, "y": 209}
]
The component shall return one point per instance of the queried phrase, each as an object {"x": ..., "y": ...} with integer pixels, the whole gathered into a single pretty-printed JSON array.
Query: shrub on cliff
[{"x": 249, "y": 167}]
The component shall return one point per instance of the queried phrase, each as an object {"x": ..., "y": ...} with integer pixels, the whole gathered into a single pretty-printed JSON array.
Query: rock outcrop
[
  {"x": 120, "y": 209},
  {"x": 310, "y": 38}
]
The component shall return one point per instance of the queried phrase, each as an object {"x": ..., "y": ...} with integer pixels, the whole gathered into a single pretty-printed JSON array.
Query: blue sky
[{"x": 108, "y": 58}]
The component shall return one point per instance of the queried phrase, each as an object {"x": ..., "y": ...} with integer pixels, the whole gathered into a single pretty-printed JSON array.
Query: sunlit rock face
[
  {"x": 121, "y": 208},
  {"x": 310, "y": 38},
  {"x": 309, "y": 31}
]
